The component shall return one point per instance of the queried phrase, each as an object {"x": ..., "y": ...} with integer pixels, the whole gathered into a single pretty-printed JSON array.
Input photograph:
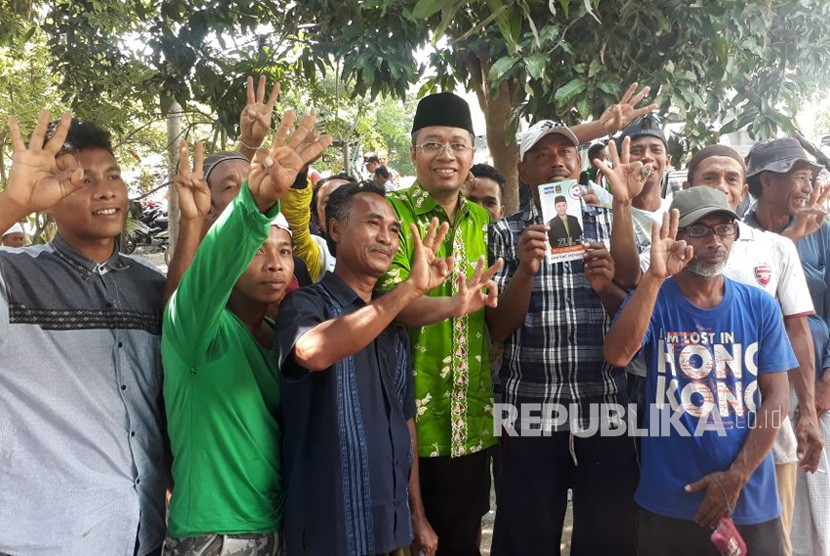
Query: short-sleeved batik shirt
[{"x": 453, "y": 389}]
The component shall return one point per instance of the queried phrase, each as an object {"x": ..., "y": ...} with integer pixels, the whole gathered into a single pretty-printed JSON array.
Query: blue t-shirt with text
[{"x": 702, "y": 392}]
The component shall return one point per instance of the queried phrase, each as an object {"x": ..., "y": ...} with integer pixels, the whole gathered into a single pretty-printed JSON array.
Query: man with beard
[
  {"x": 711, "y": 346},
  {"x": 770, "y": 261}
]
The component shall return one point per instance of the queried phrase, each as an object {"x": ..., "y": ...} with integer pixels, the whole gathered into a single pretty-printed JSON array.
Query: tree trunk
[
  {"x": 501, "y": 140},
  {"x": 501, "y": 125},
  {"x": 174, "y": 135},
  {"x": 3, "y": 157}
]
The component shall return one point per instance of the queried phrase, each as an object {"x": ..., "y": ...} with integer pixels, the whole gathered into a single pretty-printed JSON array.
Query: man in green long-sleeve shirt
[{"x": 221, "y": 389}]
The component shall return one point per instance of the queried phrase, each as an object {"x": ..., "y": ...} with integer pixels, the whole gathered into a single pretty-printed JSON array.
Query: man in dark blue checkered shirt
[{"x": 552, "y": 318}]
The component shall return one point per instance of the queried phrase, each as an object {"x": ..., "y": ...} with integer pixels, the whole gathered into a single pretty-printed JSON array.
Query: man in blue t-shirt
[{"x": 714, "y": 349}]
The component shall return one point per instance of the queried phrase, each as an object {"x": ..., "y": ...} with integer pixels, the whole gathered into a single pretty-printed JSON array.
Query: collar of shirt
[
  {"x": 424, "y": 203},
  {"x": 84, "y": 264},
  {"x": 751, "y": 220},
  {"x": 340, "y": 290}
]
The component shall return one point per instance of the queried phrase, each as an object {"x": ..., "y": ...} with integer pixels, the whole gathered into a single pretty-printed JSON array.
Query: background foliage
[{"x": 715, "y": 66}]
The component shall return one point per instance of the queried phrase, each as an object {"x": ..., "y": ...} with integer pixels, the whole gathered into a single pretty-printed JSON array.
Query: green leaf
[
  {"x": 426, "y": 8},
  {"x": 503, "y": 20},
  {"x": 564, "y": 94},
  {"x": 584, "y": 107},
  {"x": 594, "y": 68},
  {"x": 501, "y": 67},
  {"x": 589, "y": 9},
  {"x": 447, "y": 14},
  {"x": 535, "y": 65},
  {"x": 609, "y": 87}
]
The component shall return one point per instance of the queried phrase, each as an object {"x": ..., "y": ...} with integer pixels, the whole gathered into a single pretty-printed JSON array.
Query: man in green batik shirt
[{"x": 453, "y": 390}]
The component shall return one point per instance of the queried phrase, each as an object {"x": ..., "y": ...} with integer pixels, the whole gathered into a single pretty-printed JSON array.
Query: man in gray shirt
[{"x": 81, "y": 447}]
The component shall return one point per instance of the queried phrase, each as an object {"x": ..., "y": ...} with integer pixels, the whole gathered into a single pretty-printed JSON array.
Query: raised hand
[
  {"x": 39, "y": 177},
  {"x": 808, "y": 220},
  {"x": 193, "y": 190},
  {"x": 255, "y": 118},
  {"x": 599, "y": 266},
  {"x": 532, "y": 248},
  {"x": 619, "y": 115},
  {"x": 471, "y": 297},
  {"x": 427, "y": 270},
  {"x": 625, "y": 179},
  {"x": 668, "y": 256},
  {"x": 274, "y": 170}
]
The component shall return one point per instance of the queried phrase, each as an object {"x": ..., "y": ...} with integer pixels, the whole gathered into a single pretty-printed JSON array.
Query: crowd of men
[{"x": 313, "y": 375}]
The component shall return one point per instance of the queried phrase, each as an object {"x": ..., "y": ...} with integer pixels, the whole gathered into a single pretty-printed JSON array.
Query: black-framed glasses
[
  {"x": 725, "y": 229},
  {"x": 456, "y": 148}
]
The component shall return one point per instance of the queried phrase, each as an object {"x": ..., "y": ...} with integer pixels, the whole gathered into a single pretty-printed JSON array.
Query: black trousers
[
  {"x": 456, "y": 494},
  {"x": 658, "y": 535},
  {"x": 532, "y": 498}
]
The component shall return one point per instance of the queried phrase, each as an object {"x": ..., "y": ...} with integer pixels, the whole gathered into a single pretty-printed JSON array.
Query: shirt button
[
  {"x": 138, "y": 481},
  {"x": 132, "y": 433},
  {"x": 123, "y": 386},
  {"x": 120, "y": 344}
]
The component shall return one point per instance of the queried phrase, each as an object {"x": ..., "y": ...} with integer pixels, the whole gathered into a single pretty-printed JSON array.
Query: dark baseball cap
[
  {"x": 777, "y": 156},
  {"x": 647, "y": 126},
  {"x": 699, "y": 202}
]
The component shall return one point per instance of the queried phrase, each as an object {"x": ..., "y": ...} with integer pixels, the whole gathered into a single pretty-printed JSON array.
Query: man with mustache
[
  {"x": 711, "y": 345},
  {"x": 352, "y": 483}
]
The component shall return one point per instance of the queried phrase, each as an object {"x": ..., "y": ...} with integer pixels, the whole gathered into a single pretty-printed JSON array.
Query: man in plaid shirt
[{"x": 552, "y": 318}]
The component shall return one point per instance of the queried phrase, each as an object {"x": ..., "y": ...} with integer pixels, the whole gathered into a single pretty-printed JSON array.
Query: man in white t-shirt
[{"x": 648, "y": 146}]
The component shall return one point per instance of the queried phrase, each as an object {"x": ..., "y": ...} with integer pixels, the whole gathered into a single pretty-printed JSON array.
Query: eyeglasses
[
  {"x": 456, "y": 148},
  {"x": 725, "y": 229}
]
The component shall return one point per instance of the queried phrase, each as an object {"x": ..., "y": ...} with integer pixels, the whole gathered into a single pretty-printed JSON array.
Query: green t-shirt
[
  {"x": 221, "y": 391},
  {"x": 453, "y": 389}
]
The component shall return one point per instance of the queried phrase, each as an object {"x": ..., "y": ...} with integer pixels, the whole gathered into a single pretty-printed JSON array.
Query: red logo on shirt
[{"x": 763, "y": 273}]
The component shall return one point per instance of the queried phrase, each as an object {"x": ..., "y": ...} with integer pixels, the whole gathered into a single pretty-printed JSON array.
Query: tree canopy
[{"x": 715, "y": 66}]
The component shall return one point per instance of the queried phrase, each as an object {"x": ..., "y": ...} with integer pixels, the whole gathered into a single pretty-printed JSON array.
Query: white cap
[
  {"x": 17, "y": 228},
  {"x": 280, "y": 222},
  {"x": 541, "y": 129}
]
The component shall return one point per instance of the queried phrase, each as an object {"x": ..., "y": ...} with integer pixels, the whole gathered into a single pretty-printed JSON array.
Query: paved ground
[{"x": 156, "y": 257}]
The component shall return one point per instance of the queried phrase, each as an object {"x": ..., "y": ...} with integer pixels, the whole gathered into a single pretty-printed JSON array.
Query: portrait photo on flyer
[{"x": 562, "y": 212}]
